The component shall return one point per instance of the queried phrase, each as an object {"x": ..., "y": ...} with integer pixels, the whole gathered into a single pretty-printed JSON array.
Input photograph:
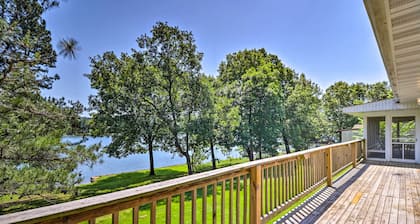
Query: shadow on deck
[
  {"x": 315, "y": 206},
  {"x": 373, "y": 191}
]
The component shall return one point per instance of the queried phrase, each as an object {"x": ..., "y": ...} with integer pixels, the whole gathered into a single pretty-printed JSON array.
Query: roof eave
[{"x": 379, "y": 17}]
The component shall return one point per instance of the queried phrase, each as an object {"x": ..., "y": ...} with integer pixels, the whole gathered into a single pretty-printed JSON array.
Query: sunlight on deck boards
[{"x": 371, "y": 193}]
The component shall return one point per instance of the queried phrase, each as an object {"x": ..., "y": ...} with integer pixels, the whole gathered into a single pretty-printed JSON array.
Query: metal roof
[{"x": 396, "y": 24}]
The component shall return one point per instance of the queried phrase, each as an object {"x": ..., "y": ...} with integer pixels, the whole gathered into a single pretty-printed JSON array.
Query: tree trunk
[
  {"x": 250, "y": 154},
  {"x": 286, "y": 144},
  {"x": 151, "y": 161},
  {"x": 189, "y": 164},
  {"x": 340, "y": 139},
  {"x": 213, "y": 157}
]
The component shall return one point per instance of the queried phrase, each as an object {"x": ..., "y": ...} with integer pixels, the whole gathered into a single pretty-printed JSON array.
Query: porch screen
[
  {"x": 403, "y": 138},
  {"x": 376, "y": 137}
]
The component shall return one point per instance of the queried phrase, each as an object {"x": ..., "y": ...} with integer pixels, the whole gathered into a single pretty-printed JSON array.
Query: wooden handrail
[{"x": 300, "y": 172}]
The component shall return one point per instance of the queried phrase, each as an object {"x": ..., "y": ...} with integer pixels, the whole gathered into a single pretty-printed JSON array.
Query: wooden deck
[{"x": 371, "y": 193}]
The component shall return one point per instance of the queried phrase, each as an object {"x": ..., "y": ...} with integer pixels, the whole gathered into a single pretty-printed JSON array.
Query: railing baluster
[
  {"x": 279, "y": 186},
  {"x": 204, "y": 214},
  {"x": 284, "y": 183},
  {"x": 271, "y": 188},
  {"x": 292, "y": 170},
  {"x": 135, "y": 216},
  {"x": 214, "y": 203},
  {"x": 238, "y": 200},
  {"x": 194, "y": 206},
  {"x": 287, "y": 180},
  {"x": 305, "y": 168},
  {"x": 298, "y": 176},
  {"x": 115, "y": 217},
  {"x": 181, "y": 208},
  {"x": 231, "y": 201},
  {"x": 265, "y": 183},
  {"x": 153, "y": 213},
  {"x": 223, "y": 201},
  {"x": 245, "y": 177},
  {"x": 276, "y": 177},
  {"x": 168, "y": 209},
  {"x": 92, "y": 221}
]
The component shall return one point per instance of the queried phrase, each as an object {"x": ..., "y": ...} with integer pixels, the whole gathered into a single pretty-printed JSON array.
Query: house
[{"x": 392, "y": 127}]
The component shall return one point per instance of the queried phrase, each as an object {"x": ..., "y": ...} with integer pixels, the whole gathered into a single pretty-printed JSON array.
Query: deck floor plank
[
  {"x": 395, "y": 198},
  {"x": 339, "y": 207},
  {"x": 416, "y": 198},
  {"x": 375, "y": 205},
  {"x": 371, "y": 193},
  {"x": 369, "y": 200},
  {"x": 361, "y": 193},
  {"x": 409, "y": 194}
]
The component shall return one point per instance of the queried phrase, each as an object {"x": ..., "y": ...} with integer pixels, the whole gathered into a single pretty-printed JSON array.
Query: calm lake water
[{"x": 112, "y": 165}]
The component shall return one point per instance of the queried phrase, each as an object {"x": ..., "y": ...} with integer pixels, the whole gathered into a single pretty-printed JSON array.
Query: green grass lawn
[{"x": 106, "y": 184}]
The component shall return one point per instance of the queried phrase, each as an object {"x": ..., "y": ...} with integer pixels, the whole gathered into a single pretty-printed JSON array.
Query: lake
[{"x": 135, "y": 162}]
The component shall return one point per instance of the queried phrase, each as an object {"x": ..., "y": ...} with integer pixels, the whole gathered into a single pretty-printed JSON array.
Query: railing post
[
  {"x": 328, "y": 166},
  {"x": 364, "y": 149},
  {"x": 353, "y": 148},
  {"x": 255, "y": 205}
]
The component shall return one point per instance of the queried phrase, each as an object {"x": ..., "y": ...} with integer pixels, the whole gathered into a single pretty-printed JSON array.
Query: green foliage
[
  {"x": 33, "y": 159},
  {"x": 154, "y": 94},
  {"x": 270, "y": 101},
  {"x": 303, "y": 123},
  {"x": 249, "y": 83},
  {"x": 342, "y": 94},
  {"x": 123, "y": 107},
  {"x": 173, "y": 55}
]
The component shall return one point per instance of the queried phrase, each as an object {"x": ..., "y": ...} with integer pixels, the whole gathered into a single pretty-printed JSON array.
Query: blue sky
[{"x": 327, "y": 40}]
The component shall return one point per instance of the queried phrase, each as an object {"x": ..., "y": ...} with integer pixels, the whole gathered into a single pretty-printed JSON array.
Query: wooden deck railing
[{"x": 251, "y": 192}]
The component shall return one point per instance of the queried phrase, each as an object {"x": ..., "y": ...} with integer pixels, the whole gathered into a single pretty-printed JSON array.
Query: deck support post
[
  {"x": 364, "y": 149},
  {"x": 328, "y": 166},
  {"x": 255, "y": 205},
  {"x": 353, "y": 148}
]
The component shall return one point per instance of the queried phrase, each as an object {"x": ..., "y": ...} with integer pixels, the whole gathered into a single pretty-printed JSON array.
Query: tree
[
  {"x": 378, "y": 91},
  {"x": 336, "y": 97},
  {"x": 250, "y": 80},
  {"x": 342, "y": 94},
  {"x": 173, "y": 55},
  {"x": 122, "y": 106},
  {"x": 33, "y": 157},
  {"x": 303, "y": 113}
]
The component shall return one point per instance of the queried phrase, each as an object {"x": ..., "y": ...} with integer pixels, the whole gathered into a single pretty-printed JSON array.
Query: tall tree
[
  {"x": 336, "y": 97},
  {"x": 173, "y": 54},
  {"x": 121, "y": 108},
  {"x": 250, "y": 80},
  {"x": 33, "y": 157},
  {"x": 303, "y": 113}
]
